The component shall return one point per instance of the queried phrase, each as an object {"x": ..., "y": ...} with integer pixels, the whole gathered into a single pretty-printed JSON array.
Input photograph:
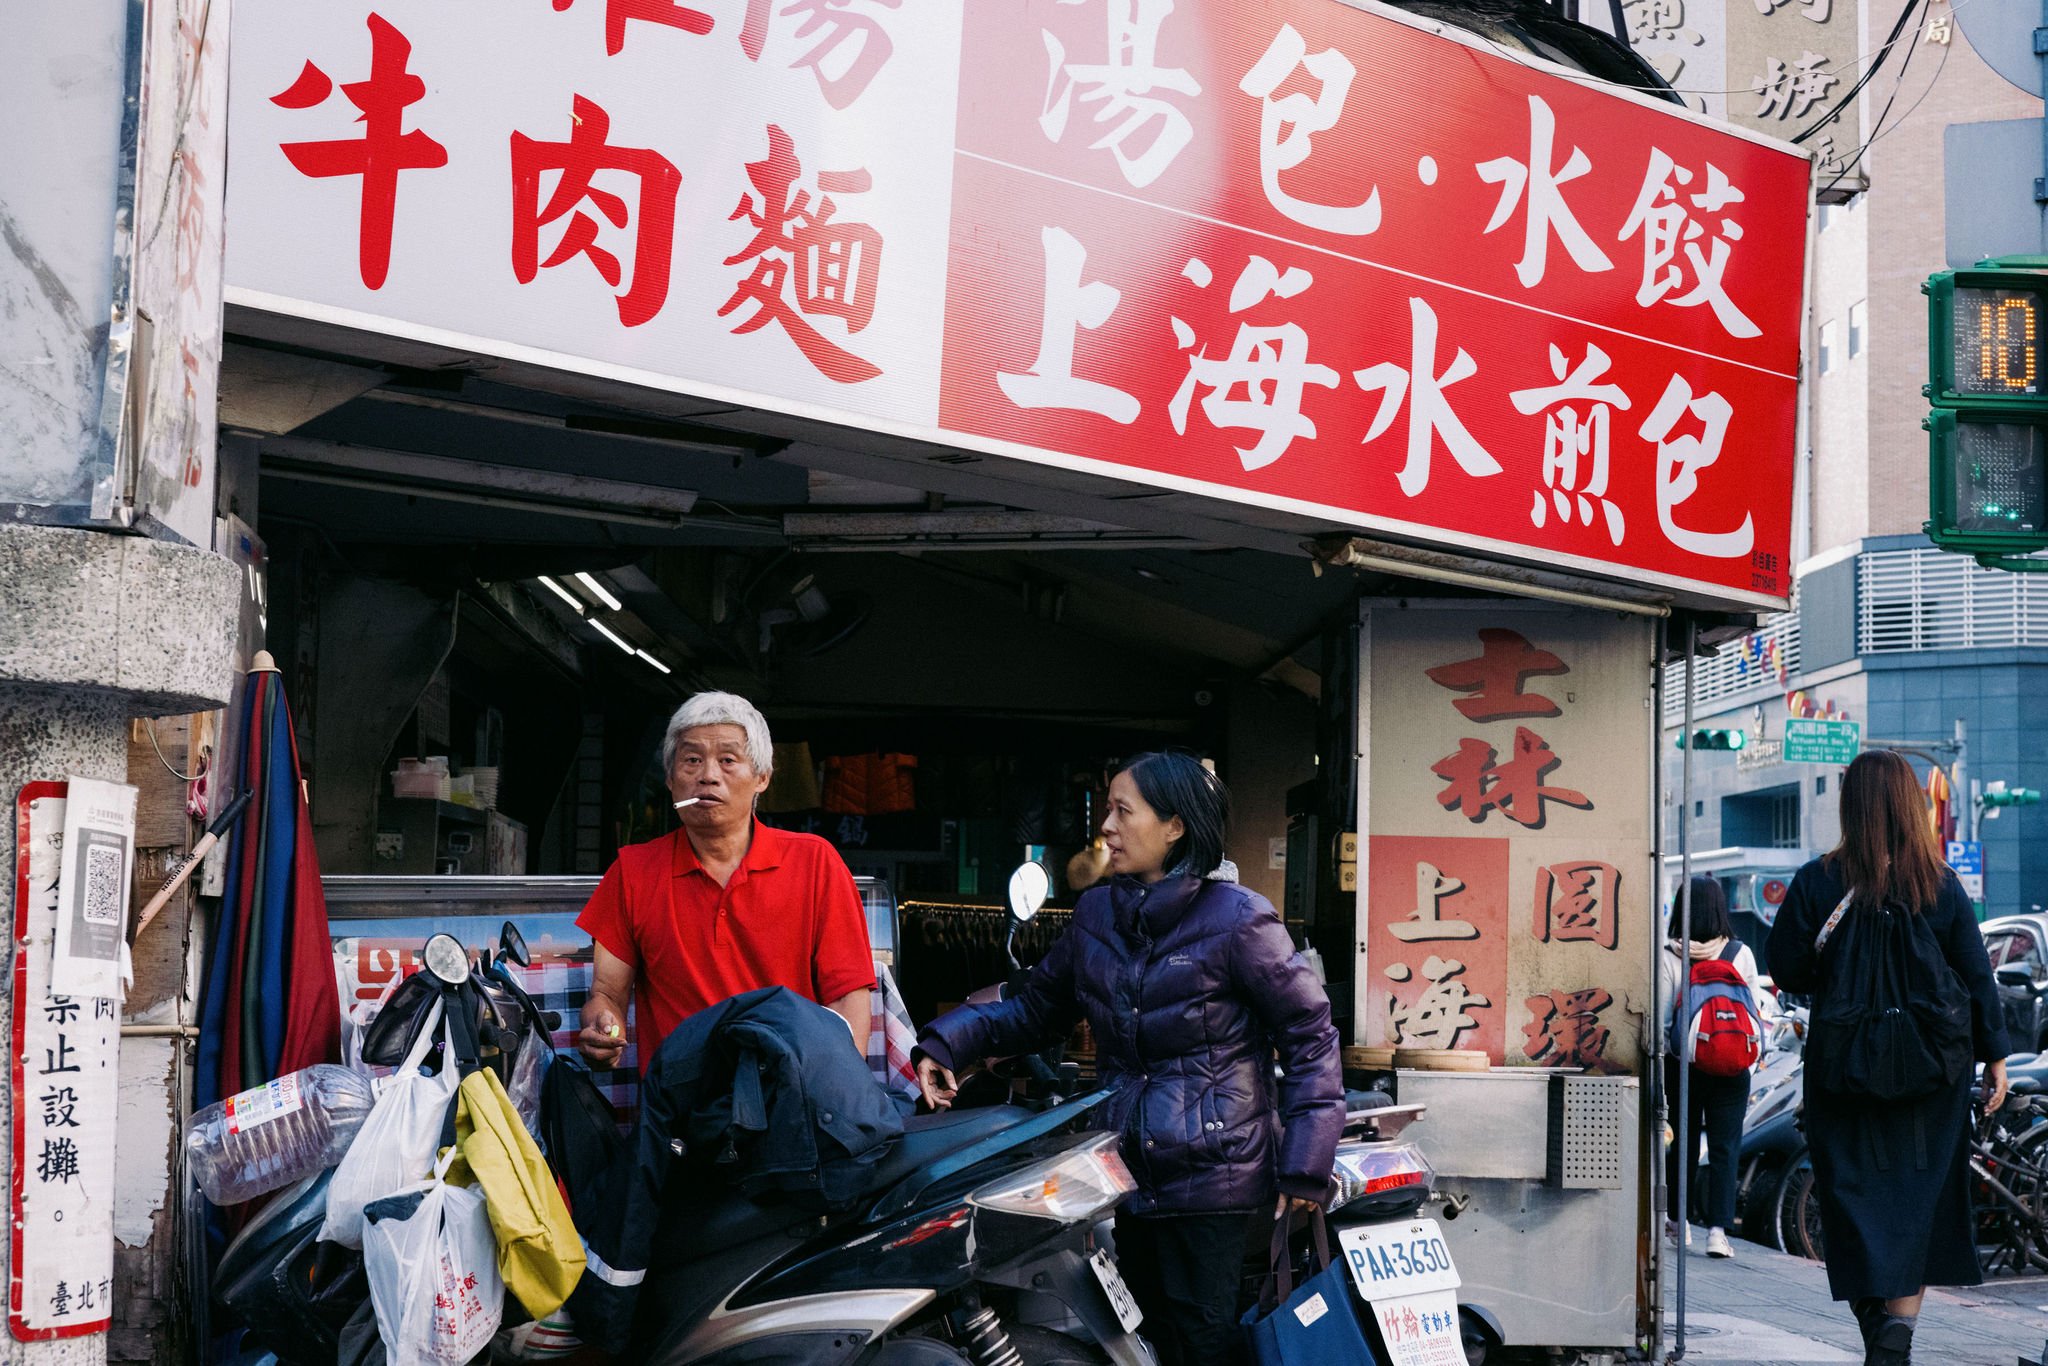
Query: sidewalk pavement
[{"x": 1769, "y": 1309}]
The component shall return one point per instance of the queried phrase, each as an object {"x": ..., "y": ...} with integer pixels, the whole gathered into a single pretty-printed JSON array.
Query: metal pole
[
  {"x": 1680, "y": 1127},
  {"x": 1651, "y": 1140}
]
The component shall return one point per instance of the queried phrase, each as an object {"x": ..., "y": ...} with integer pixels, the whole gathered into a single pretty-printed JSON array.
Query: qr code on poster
[{"x": 103, "y": 884}]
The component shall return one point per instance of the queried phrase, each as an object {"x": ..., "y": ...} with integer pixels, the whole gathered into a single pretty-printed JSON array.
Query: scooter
[{"x": 979, "y": 1250}]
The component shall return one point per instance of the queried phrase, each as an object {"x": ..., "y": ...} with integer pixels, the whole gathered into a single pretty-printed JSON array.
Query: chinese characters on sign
[
  {"x": 65, "y": 1084},
  {"x": 1496, "y": 901},
  {"x": 1154, "y": 239}
]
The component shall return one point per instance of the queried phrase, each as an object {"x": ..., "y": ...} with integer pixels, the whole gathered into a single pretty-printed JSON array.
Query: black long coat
[{"x": 1893, "y": 1179}]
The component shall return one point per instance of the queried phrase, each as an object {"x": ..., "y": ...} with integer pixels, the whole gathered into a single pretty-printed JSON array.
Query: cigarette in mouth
[{"x": 688, "y": 801}]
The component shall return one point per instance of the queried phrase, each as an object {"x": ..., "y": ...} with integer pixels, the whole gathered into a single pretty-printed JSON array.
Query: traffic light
[
  {"x": 1712, "y": 739},
  {"x": 1987, "y": 472},
  {"x": 1998, "y": 794}
]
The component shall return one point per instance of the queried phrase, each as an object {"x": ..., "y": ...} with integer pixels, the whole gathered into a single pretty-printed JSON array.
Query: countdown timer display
[{"x": 1997, "y": 342}]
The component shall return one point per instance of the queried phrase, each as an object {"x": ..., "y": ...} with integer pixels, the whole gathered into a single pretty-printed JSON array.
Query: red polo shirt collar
[{"x": 764, "y": 851}]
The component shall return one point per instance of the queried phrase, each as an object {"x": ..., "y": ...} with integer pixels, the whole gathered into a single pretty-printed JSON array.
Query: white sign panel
[
  {"x": 1421, "y": 1330},
  {"x": 65, "y": 1084},
  {"x": 92, "y": 891}
]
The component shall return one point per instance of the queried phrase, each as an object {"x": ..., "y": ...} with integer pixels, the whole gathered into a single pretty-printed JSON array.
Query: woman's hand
[
  {"x": 936, "y": 1083},
  {"x": 1995, "y": 1078},
  {"x": 1295, "y": 1204}
]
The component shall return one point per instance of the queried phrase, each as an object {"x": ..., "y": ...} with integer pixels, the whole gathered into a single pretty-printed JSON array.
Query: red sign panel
[
  {"x": 1332, "y": 261},
  {"x": 1294, "y": 254}
]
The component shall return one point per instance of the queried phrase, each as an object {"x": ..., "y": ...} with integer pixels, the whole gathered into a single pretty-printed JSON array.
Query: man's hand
[
  {"x": 1995, "y": 1078},
  {"x": 603, "y": 1036},
  {"x": 936, "y": 1083}
]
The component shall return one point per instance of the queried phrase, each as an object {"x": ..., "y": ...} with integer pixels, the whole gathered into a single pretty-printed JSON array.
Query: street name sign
[{"x": 1822, "y": 742}]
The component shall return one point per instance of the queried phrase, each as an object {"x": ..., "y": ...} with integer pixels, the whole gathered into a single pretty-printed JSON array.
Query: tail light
[
  {"x": 1077, "y": 1184},
  {"x": 1382, "y": 1178}
]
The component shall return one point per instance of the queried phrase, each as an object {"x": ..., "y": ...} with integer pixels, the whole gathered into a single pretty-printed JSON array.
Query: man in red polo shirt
[{"x": 723, "y": 905}]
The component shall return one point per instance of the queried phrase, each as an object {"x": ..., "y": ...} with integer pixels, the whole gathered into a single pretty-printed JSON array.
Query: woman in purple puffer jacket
[{"x": 1191, "y": 985}]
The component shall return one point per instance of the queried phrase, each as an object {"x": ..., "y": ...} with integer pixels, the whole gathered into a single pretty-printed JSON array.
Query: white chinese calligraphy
[
  {"x": 1269, "y": 365},
  {"x": 1680, "y": 458},
  {"x": 1427, "y": 922},
  {"x": 1070, "y": 306},
  {"x": 1536, "y": 186},
  {"x": 1570, "y": 434},
  {"x": 1438, "y": 1016},
  {"x": 1286, "y": 126},
  {"x": 1145, "y": 131},
  {"x": 1429, "y": 413},
  {"x": 1791, "y": 91},
  {"x": 1669, "y": 230}
]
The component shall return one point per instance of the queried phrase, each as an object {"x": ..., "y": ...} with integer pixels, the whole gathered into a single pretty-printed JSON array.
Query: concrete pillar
[{"x": 95, "y": 629}]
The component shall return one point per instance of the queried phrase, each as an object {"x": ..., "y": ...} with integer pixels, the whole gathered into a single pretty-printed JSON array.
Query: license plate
[
  {"x": 1119, "y": 1294},
  {"x": 1389, "y": 1261}
]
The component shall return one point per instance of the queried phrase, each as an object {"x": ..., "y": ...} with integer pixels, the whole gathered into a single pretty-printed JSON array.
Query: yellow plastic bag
[{"x": 540, "y": 1254}]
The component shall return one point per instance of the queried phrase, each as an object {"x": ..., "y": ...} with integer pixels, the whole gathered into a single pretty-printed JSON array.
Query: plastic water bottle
[{"x": 266, "y": 1138}]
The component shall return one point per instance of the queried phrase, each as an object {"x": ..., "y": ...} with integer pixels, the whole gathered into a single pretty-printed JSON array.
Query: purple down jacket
[{"x": 1191, "y": 986}]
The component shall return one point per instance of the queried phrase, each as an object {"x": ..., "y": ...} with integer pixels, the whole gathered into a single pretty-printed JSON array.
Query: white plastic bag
[
  {"x": 432, "y": 1264},
  {"x": 395, "y": 1147}
]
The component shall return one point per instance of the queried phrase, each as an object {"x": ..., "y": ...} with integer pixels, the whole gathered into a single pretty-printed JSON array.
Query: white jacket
[{"x": 1672, "y": 972}]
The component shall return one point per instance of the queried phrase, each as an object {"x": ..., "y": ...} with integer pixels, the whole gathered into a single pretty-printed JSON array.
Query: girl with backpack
[
  {"x": 1717, "y": 1033},
  {"x": 1880, "y": 932}
]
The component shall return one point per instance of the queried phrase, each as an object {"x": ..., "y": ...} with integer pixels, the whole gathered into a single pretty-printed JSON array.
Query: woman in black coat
[
  {"x": 1191, "y": 985},
  {"x": 1893, "y": 1177}
]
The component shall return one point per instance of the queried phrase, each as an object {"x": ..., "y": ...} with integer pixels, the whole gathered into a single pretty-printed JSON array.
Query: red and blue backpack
[{"x": 1717, "y": 1027}]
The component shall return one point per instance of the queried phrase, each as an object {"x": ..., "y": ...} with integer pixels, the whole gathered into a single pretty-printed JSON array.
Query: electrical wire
[
  {"x": 149, "y": 729},
  {"x": 1898, "y": 28},
  {"x": 1883, "y": 132}
]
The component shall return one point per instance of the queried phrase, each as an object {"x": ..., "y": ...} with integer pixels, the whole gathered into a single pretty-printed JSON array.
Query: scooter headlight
[
  {"x": 1077, "y": 1184},
  {"x": 1395, "y": 1175}
]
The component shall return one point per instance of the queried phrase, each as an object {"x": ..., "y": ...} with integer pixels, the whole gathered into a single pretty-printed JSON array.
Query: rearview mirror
[
  {"x": 1029, "y": 887},
  {"x": 2017, "y": 975},
  {"x": 512, "y": 945}
]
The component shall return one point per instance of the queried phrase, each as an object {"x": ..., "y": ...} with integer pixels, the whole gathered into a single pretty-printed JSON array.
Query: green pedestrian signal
[
  {"x": 1987, "y": 452},
  {"x": 1711, "y": 739}
]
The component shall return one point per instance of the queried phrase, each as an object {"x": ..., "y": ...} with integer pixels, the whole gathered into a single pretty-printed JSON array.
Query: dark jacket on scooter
[
  {"x": 766, "y": 1094},
  {"x": 1190, "y": 986}
]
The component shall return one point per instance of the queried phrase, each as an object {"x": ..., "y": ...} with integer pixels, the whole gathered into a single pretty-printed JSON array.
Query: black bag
[{"x": 1893, "y": 1023}]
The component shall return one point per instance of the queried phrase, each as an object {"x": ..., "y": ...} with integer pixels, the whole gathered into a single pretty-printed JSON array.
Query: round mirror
[
  {"x": 512, "y": 945},
  {"x": 447, "y": 959},
  {"x": 1029, "y": 887}
]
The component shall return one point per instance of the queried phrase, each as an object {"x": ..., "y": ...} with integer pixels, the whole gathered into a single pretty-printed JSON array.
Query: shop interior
[{"x": 487, "y": 598}]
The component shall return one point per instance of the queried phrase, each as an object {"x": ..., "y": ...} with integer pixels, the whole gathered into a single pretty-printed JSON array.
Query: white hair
[{"x": 720, "y": 709}]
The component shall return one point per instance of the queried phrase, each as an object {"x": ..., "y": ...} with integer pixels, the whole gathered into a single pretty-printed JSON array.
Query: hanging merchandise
[
  {"x": 269, "y": 1005},
  {"x": 397, "y": 1144},
  {"x": 794, "y": 784},
  {"x": 540, "y": 1256},
  {"x": 433, "y": 1272},
  {"x": 871, "y": 784}
]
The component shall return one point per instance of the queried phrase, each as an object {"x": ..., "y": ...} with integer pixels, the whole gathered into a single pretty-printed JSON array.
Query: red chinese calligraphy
[
  {"x": 1576, "y": 903},
  {"x": 1566, "y": 1030},
  {"x": 1506, "y": 658},
  {"x": 384, "y": 149},
  {"x": 578, "y": 160},
  {"x": 831, "y": 267},
  {"x": 1477, "y": 785},
  {"x": 618, "y": 13},
  {"x": 841, "y": 77}
]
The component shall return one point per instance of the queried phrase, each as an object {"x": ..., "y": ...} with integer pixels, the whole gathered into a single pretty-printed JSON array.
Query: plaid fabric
[
  {"x": 891, "y": 1037},
  {"x": 563, "y": 984}
]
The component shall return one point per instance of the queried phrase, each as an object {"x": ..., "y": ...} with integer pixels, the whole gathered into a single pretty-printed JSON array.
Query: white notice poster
[
  {"x": 92, "y": 907},
  {"x": 65, "y": 1085}
]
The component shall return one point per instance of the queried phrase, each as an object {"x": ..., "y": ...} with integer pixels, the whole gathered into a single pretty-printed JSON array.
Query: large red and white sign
[{"x": 1291, "y": 253}]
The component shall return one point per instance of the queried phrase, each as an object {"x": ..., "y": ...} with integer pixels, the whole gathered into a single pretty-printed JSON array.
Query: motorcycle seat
[{"x": 927, "y": 1138}]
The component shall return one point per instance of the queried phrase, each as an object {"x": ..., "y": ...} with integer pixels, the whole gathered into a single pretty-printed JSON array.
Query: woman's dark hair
[
  {"x": 1887, "y": 856},
  {"x": 1174, "y": 783},
  {"x": 1709, "y": 911}
]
